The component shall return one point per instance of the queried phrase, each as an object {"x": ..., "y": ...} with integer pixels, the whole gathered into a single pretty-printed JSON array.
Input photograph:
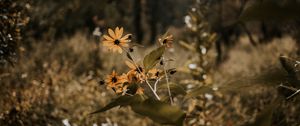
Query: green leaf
[
  {"x": 153, "y": 58},
  {"x": 175, "y": 88},
  {"x": 264, "y": 118},
  {"x": 198, "y": 91},
  {"x": 271, "y": 10},
  {"x": 160, "y": 112},
  {"x": 121, "y": 101}
]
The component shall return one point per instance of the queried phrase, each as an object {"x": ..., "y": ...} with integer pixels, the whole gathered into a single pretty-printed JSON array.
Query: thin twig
[
  {"x": 287, "y": 87},
  {"x": 154, "y": 92},
  {"x": 155, "y": 84},
  {"x": 296, "y": 91}
]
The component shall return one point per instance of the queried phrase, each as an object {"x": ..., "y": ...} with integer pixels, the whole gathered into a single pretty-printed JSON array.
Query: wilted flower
[{"x": 166, "y": 41}]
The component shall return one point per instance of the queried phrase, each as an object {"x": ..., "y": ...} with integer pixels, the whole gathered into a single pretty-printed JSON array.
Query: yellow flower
[
  {"x": 154, "y": 73},
  {"x": 121, "y": 89},
  {"x": 166, "y": 41},
  {"x": 136, "y": 74},
  {"x": 115, "y": 41},
  {"x": 114, "y": 80}
]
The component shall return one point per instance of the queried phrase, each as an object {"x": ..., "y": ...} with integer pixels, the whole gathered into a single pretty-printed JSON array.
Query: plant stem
[
  {"x": 167, "y": 79},
  {"x": 296, "y": 92},
  {"x": 155, "y": 84},
  {"x": 154, "y": 92},
  {"x": 287, "y": 87}
]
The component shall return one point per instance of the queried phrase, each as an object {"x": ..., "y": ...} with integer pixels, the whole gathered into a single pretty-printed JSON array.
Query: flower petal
[
  {"x": 114, "y": 49},
  {"x": 125, "y": 37},
  {"x": 111, "y": 33},
  {"x": 107, "y": 43},
  {"x": 117, "y": 32},
  {"x": 120, "y": 33},
  {"x": 130, "y": 65},
  {"x": 119, "y": 49},
  {"x": 124, "y": 44},
  {"x": 140, "y": 91},
  {"x": 107, "y": 37}
]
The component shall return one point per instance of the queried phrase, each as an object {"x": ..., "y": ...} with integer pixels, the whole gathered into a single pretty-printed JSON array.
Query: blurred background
[{"x": 51, "y": 61}]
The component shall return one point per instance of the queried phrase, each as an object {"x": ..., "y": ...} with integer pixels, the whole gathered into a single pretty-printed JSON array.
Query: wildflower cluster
[
  {"x": 138, "y": 87},
  {"x": 130, "y": 83}
]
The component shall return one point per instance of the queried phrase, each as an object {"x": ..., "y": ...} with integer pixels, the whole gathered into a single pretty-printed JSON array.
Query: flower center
[
  {"x": 157, "y": 74},
  {"x": 114, "y": 79},
  {"x": 139, "y": 69},
  {"x": 165, "y": 41},
  {"x": 117, "y": 42}
]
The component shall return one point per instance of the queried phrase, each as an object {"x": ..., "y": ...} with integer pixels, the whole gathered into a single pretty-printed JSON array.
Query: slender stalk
[
  {"x": 296, "y": 92},
  {"x": 155, "y": 84},
  {"x": 287, "y": 87},
  {"x": 167, "y": 79},
  {"x": 154, "y": 92}
]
